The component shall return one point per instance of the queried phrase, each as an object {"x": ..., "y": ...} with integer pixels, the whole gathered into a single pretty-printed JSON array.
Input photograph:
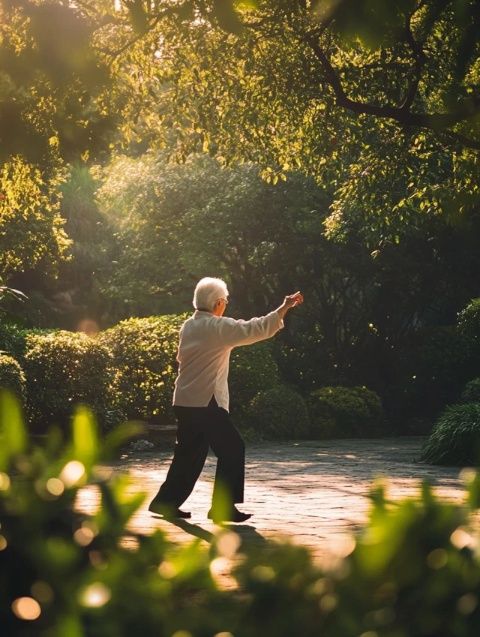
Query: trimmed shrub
[
  {"x": 277, "y": 413},
  {"x": 455, "y": 439},
  {"x": 12, "y": 376},
  {"x": 12, "y": 339},
  {"x": 471, "y": 393},
  {"x": 252, "y": 369},
  {"x": 342, "y": 412},
  {"x": 143, "y": 365},
  {"x": 64, "y": 369}
]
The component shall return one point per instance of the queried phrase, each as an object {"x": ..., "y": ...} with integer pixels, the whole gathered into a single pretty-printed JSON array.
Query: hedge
[
  {"x": 143, "y": 365},
  {"x": 277, "y": 413},
  {"x": 12, "y": 376},
  {"x": 252, "y": 369},
  {"x": 64, "y": 369},
  {"x": 342, "y": 412}
]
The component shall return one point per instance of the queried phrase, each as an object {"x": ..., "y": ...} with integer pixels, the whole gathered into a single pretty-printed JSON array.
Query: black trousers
[{"x": 199, "y": 428}]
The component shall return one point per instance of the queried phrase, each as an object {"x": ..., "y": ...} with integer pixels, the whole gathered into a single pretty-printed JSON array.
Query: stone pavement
[{"x": 313, "y": 493}]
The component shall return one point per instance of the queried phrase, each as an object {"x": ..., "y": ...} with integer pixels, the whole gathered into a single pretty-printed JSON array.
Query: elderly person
[{"x": 201, "y": 402}]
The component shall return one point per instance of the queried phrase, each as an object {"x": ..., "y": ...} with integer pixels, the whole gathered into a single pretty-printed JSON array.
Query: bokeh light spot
[
  {"x": 72, "y": 472},
  {"x": 26, "y": 608},
  {"x": 4, "y": 481},
  {"x": 55, "y": 486},
  {"x": 95, "y": 595},
  {"x": 228, "y": 544}
]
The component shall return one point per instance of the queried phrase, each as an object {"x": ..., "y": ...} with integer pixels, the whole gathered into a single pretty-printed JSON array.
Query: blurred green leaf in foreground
[{"x": 412, "y": 571}]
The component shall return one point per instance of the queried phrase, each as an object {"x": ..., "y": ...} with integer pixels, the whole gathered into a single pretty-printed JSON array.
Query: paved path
[{"x": 310, "y": 492}]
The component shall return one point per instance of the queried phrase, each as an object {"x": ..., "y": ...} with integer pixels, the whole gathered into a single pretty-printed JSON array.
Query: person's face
[{"x": 220, "y": 307}]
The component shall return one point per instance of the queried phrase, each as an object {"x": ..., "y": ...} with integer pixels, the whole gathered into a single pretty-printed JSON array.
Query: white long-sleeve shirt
[{"x": 204, "y": 350}]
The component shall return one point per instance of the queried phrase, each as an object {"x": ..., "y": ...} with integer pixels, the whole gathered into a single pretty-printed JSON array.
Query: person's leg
[
  {"x": 188, "y": 460},
  {"x": 228, "y": 446}
]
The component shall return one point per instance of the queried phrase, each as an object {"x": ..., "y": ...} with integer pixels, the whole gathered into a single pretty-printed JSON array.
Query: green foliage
[
  {"x": 455, "y": 439},
  {"x": 173, "y": 223},
  {"x": 252, "y": 369},
  {"x": 52, "y": 83},
  {"x": 277, "y": 413},
  {"x": 342, "y": 412},
  {"x": 391, "y": 130},
  {"x": 143, "y": 366},
  {"x": 12, "y": 339},
  {"x": 12, "y": 376},
  {"x": 87, "y": 575},
  {"x": 471, "y": 392},
  {"x": 64, "y": 369},
  {"x": 412, "y": 570},
  {"x": 74, "y": 295},
  {"x": 31, "y": 229},
  {"x": 469, "y": 320}
]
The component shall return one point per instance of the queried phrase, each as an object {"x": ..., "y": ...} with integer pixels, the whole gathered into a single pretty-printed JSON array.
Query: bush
[
  {"x": 143, "y": 367},
  {"x": 12, "y": 376},
  {"x": 342, "y": 412},
  {"x": 471, "y": 393},
  {"x": 13, "y": 339},
  {"x": 252, "y": 369},
  {"x": 63, "y": 369},
  {"x": 413, "y": 570},
  {"x": 455, "y": 439},
  {"x": 277, "y": 413},
  {"x": 75, "y": 571},
  {"x": 469, "y": 320}
]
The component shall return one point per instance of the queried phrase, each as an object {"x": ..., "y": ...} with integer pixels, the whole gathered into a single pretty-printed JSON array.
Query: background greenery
[
  {"x": 326, "y": 146},
  {"x": 334, "y": 150}
]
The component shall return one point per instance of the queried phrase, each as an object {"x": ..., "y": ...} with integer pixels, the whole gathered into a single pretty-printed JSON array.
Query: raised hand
[{"x": 292, "y": 300}]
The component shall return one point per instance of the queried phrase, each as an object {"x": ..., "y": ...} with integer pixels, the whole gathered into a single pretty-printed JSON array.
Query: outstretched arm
[{"x": 235, "y": 333}]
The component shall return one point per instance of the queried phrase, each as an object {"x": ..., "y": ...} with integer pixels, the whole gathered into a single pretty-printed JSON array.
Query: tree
[
  {"x": 175, "y": 224},
  {"x": 53, "y": 85},
  {"x": 414, "y": 63},
  {"x": 356, "y": 94},
  {"x": 31, "y": 229}
]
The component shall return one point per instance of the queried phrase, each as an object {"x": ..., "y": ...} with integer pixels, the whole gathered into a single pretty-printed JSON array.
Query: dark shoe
[
  {"x": 234, "y": 516},
  {"x": 167, "y": 511}
]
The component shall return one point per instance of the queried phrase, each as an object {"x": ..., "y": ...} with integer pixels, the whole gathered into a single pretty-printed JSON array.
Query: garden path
[{"x": 313, "y": 493}]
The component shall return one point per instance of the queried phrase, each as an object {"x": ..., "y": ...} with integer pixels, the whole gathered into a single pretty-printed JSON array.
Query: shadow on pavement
[
  {"x": 188, "y": 527},
  {"x": 248, "y": 533}
]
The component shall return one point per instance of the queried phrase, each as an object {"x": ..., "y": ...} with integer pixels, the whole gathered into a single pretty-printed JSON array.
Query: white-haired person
[{"x": 201, "y": 402}]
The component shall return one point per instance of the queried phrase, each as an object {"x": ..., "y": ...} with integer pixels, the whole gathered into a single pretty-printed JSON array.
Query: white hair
[{"x": 207, "y": 293}]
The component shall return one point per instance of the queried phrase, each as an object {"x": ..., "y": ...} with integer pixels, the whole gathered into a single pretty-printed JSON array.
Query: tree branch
[
  {"x": 420, "y": 58},
  {"x": 437, "y": 121}
]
